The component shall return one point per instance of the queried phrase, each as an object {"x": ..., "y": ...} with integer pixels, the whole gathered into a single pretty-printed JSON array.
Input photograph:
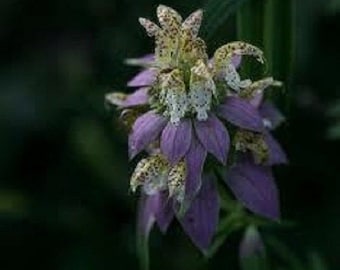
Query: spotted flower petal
[
  {"x": 143, "y": 78},
  {"x": 144, "y": 131},
  {"x": 241, "y": 113},
  {"x": 201, "y": 219},
  {"x": 254, "y": 186},
  {"x": 276, "y": 153},
  {"x": 272, "y": 117},
  {"x": 193, "y": 22},
  {"x": 176, "y": 140},
  {"x": 214, "y": 137},
  {"x": 194, "y": 161}
]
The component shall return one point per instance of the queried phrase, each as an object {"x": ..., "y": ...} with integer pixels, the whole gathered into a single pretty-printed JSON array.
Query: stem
[{"x": 143, "y": 252}]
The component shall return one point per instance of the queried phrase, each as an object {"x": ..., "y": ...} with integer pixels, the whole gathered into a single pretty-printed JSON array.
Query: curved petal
[
  {"x": 176, "y": 140},
  {"x": 257, "y": 99},
  {"x": 276, "y": 153},
  {"x": 165, "y": 213},
  {"x": 156, "y": 207},
  {"x": 145, "y": 130},
  {"x": 241, "y": 113},
  {"x": 139, "y": 97},
  {"x": 194, "y": 159},
  {"x": 143, "y": 78},
  {"x": 201, "y": 219},
  {"x": 254, "y": 186},
  {"x": 214, "y": 137},
  {"x": 148, "y": 206},
  {"x": 271, "y": 114}
]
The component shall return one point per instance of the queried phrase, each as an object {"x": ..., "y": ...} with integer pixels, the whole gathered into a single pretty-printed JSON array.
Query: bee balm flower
[{"x": 183, "y": 110}]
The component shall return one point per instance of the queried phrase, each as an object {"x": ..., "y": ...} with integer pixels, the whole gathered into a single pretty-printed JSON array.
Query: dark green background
[{"x": 64, "y": 199}]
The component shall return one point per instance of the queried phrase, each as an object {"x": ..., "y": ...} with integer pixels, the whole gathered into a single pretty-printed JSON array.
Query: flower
[{"x": 185, "y": 107}]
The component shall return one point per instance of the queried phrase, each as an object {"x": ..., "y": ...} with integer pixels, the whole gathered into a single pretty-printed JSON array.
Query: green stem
[{"x": 143, "y": 252}]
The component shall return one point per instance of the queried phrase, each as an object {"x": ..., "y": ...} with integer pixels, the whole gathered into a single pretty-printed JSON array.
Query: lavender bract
[{"x": 187, "y": 107}]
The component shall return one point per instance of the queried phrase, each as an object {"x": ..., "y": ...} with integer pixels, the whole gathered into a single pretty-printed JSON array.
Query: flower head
[{"x": 186, "y": 107}]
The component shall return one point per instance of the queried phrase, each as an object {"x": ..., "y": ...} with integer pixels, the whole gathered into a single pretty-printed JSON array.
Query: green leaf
[
  {"x": 287, "y": 256},
  {"x": 255, "y": 262},
  {"x": 227, "y": 226},
  {"x": 316, "y": 262},
  {"x": 217, "y": 12},
  {"x": 334, "y": 110},
  {"x": 250, "y": 29},
  {"x": 279, "y": 43},
  {"x": 334, "y": 131}
]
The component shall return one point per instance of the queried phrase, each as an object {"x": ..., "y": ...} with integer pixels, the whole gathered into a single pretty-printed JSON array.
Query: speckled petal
[
  {"x": 176, "y": 140},
  {"x": 214, "y": 137},
  {"x": 254, "y": 186},
  {"x": 201, "y": 219},
  {"x": 143, "y": 78},
  {"x": 145, "y": 130},
  {"x": 194, "y": 159},
  {"x": 271, "y": 115},
  {"x": 193, "y": 22},
  {"x": 165, "y": 213},
  {"x": 276, "y": 153},
  {"x": 241, "y": 113}
]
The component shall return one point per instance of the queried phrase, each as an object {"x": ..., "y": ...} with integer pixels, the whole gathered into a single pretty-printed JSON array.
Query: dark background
[{"x": 64, "y": 199}]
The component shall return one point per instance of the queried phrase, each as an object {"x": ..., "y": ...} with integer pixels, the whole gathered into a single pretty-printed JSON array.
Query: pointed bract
[
  {"x": 168, "y": 18},
  {"x": 145, "y": 130},
  {"x": 214, "y": 137},
  {"x": 151, "y": 28},
  {"x": 176, "y": 181},
  {"x": 195, "y": 159},
  {"x": 144, "y": 78},
  {"x": 176, "y": 140},
  {"x": 276, "y": 155},
  {"x": 121, "y": 100},
  {"x": 201, "y": 219},
  {"x": 272, "y": 117},
  {"x": 165, "y": 213},
  {"x": 254, "y": 186},
  {"x": 193, "y": 22},
  {"x": 241, "y": 113},
  {"x": 147, "y": 209},
  {"x": 151, "y": 173}
]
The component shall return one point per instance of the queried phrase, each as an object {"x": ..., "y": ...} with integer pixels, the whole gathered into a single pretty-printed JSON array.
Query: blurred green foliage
[{"x": 64, "y": 199}]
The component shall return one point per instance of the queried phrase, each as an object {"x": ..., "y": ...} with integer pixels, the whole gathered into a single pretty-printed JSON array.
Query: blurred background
[{"x": 64, "y": 199}]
